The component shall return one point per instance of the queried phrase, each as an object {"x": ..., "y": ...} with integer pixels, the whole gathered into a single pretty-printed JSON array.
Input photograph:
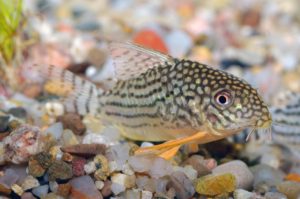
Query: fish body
[{"x": 157, "y": 97}]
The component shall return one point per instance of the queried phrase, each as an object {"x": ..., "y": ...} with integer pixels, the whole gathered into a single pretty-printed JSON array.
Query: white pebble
[
  {"x": 99, "y": 184},
  {"x": 117, "y": 188},
  {"x": 54, "y": 108},
  {"x": 89, "y": 167},
  {"x": 146, "y": 195},
  {"x": 55, "y": 130},
  {"x": 53, "y": 186},
  {"x": 146, "y": 144}
]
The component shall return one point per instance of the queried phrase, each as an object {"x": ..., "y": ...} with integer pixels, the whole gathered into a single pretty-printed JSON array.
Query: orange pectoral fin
[{"x": 168, "y": 149}]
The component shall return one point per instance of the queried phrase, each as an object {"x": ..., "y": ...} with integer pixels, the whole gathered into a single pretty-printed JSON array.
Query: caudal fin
[{"x": 78, "y": 95}]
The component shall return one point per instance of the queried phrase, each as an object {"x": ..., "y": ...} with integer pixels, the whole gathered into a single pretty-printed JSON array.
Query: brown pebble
[
  {"x": 67, "y": 157},
  {"x": 106, "y": 190},
  {"x": 34, "y": 168},
  {"x": 199, "y": 164},
  {"x": 4, "y": 190},
  {"x": 85, "y": 150},
  {"x": 60, "y": 170},
  {"x": 44, "y": 159},
  {"x": 73, "y": 122},
  {"x": 64, "y": 190}
]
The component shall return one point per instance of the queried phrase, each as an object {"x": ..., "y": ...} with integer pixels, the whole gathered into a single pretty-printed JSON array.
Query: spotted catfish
[{"x": 159, "y": 98}]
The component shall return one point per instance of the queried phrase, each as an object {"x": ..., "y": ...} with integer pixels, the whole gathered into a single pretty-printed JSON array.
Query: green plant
[{"x": 10, "y": 20}]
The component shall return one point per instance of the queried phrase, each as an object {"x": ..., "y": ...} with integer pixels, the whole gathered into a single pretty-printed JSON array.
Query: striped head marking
[{"x": 228, "y": 104}]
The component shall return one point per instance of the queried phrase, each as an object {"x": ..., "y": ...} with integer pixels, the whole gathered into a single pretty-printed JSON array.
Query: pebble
[
  {"x": 84, "y": 187},
  {"x": 199, "y": 164},
  {"x": 78, "y": 166},
  {"x": 29, "y": 183},
  {"x": 150, "y": 39},
  {"x": 275, "y": 195},
  {"x": 53, "y": 185},
  {"x": 102, "y": 169},
  {"x": 160, "y": 167},
  {"x": 40, "y": 191},
  {"x": 18, "y": 112},
  {"x": 7, "y": 180},
  {"x": 74, "y": 123},
  {"x": 53, "y": 196},
  {"x": 64, "y": 190},
  {"x": 128, "y": 181},
  {"x": 55, "y": 130},
  {"x": 69, "y": 138},
  {"x": 243, "y": 194},
  {"x": 22, "y": 143},
  {"x": 45, "y": 159},
  {"x": 117, "y": 188},
  {"x": 85, "y": 150},
  {"x": 88, "y": 25},
  {"x": 179, "y": 43},
  {"x": 90, "y": 167},
  {"x": 265, "y": 177},
  {"x": 212, "y": 185},
  {"x": 140, "y": 163},
  {"x": 67, "y": 157},
  {"x": 290, "y": 189},
  {"x": 17, "y": 189},
  {"x": 106, "y": 190},
  {"x": 244, "y": 177},
  {"x": 4, "y": 121},
  {"x": 55, "y": 109},
  {"x": 119, "y": 153},
  {"x": 27, "y": 195},
  {"x": 133, "y": 194},
  {"x": 60, "y": 170},
  {"x": 188, "y": 170},
  {"x": 99, "y": 184},
  {"x": 182, "y": 184},
  {"x": 146, "y": 195},
  {"x": 34, "y": 168}
]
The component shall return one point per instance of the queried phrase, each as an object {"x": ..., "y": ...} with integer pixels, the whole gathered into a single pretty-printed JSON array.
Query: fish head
[{"x": 233, "y": 105}]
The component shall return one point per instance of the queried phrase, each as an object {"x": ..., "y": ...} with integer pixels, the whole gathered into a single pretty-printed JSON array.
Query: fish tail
[{"x": 78, "y": 95}]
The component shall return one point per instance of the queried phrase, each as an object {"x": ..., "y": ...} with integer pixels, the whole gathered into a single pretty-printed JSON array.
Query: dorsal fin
[{"x": 131, "y": 60}]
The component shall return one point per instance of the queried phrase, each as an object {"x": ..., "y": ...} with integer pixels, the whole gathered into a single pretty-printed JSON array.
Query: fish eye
[{"x": 223, "y": 98}]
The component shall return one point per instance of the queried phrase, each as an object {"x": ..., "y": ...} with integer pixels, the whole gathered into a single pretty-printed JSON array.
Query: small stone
[
  {"x": 126, "y": 169},
  {"x": 119, "y": 153},
  {"x": 99, "y": 184},
  {"x": 239, "y": 169},
  {"x": 34, "y": 168},
  {"x": 55, "y": 109},
  {"x": 90, "y": 167},
  {"x": 64, "y": 190},
  {"x": 117, "y": 188},
  {"x": 128, "y": 181},
  {"x": 199, "y": 164},
  {"x": 146, "y": 195},
  {"x": 67, "y": 157},
  {"x": 212, "y": 185},
  {"x": 140, "y": 163},
  {"x": 27, "y": 195},
  {"x": 7, "y": 179},
  {"x": 18, "y": 112},
  {"x": 4, "y": 120},
  {"x": 188, "y": 170},
  {"x": 14, "y": 124},
  {"x": 97, "y": 57},
  {"x": 182, "y": 184},
  {"x": 74, "y": 123},
  {"x": 160, "y": 167},
  {"x": 133, "y": 194},
  {"x": 266, "y": 177},
  {"x": 69, "y": 138},
  {"x": 275, "y": 195},
  {"x": 243, "y": 194},
  {"x": 85, "y": 150},
  {"x": 60, "y": 170},
  {"x": 150, "y": 39},
  {"x": 84, "y": 187},
  {"x": 55, "y": 152},
  {"x": 78, "y": 166},
  {"x": 29, "y": 183},
  {"x": 290, "y": 189},
  {"x": 53, "y": 185},
  {"x": 44, "y": 159},
  {"x": 55, "y": 130},
  {"x": 22, "y": 143},
  {"x": 17, "y": 189},
  {"x": 106, "y": 190},
  {"x": 40, "y": 191},
  {"x": 101, "y": 164}
]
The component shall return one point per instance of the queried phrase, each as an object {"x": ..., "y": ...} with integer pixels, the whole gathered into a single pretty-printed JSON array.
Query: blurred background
[{"x": 256, "y": 40}]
